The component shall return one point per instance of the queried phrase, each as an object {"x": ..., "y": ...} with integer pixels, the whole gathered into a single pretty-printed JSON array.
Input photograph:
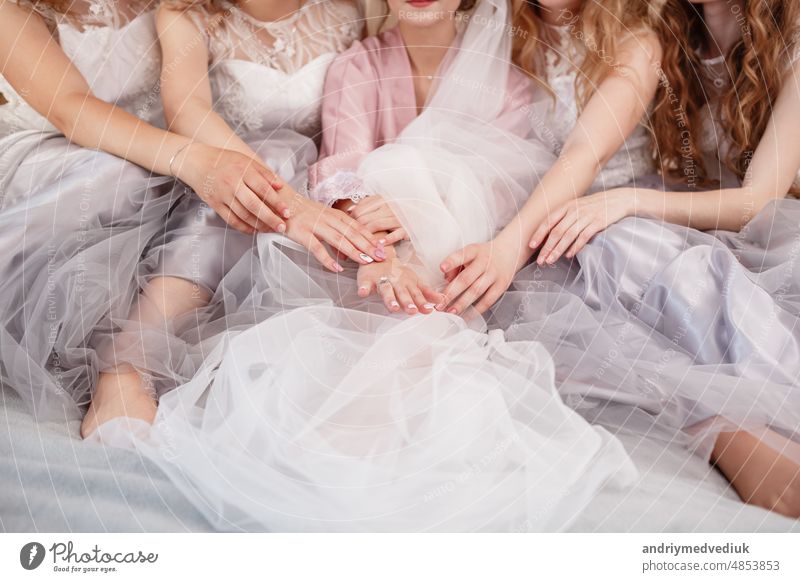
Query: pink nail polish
[
  {"x": 287, "y": 213},
  {"x": 338, "y": 267},
  {"x": 453, "y": 311},
  {"x": 281, "y": 227},
  {"x": 380, "y": 254}
]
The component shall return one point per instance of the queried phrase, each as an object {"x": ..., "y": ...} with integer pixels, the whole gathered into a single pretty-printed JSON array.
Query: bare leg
[
  {"x": 766, "y": 475},
  {"x": 123, "y": 391}
]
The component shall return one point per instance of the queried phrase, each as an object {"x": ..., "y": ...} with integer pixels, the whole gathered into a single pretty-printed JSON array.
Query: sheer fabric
[
  {"x": 684, "y": 334},
  {"x": 75, "y": 222},
  {"x": 329, "y": 414}
]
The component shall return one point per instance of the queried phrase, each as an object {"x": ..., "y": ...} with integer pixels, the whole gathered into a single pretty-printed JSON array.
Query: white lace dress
[{"x": 61, "y": 205}]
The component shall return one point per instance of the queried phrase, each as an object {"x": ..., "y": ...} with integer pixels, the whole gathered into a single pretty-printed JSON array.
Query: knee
[{"x": 172, "y": 296}]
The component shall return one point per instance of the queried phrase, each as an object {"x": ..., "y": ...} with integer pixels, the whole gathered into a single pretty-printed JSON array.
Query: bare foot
[
  {"x": 761, "y": 474},
  {"x": 119, "y": 394}
]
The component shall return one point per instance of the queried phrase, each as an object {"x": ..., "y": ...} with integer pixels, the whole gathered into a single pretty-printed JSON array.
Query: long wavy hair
[
  {"x": 599, "y": 26},
  {"x": 756, "y": 65}
]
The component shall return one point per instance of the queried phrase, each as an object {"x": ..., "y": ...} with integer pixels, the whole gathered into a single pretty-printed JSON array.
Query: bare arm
[
  {"x": 185, "y": 88},
  {"x": 772, "y": 171},
  {"x": 770, "y": 175},
  {"x": 480, "y": 273},
  {"x": 610, "y": 116},
  {"x": 37, "y": 68}
]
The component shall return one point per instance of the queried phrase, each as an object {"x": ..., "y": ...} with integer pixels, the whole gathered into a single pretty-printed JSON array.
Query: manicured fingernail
[
  {"x": 281, "y": 227},
  {"x": 287, "y": 213},
  {"x": 454, "y": 311},
  {"x": 395, "y": 305},
  {"x": 381, "y": 241},
  {"x": 411, "y": 306},
  {"x": 362, "y": 289},
  {"x": 551, "y": 259},
  {"x": 338, "y": 267},
  {"x": 379, "y": 253},
  {"x": 366, "y": 258},
  {"x": 444, "y": 267},
  {"x": 533, "y": 244},
  {"x": 429, "y": 306},
  {"x": 351, "y": 208}
]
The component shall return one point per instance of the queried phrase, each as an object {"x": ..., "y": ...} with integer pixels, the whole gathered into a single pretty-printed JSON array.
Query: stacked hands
[{"x": 252, "y": 198}]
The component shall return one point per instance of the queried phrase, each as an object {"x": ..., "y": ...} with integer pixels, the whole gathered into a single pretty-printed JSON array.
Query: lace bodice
[
  {"x": 560, "y": 63},
  {"x": 113, "y": 44},
  {"x": 266, "y": 75}
]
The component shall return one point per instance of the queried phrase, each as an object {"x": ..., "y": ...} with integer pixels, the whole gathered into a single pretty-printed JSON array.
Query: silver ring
[{"x": 383, "y": 280}]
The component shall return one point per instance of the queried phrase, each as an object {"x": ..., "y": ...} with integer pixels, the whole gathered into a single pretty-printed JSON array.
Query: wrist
[
  {"x": 643, "y": 203},
  {"x": 186, "y": 164},
  {"x": 516, "y": 243}
]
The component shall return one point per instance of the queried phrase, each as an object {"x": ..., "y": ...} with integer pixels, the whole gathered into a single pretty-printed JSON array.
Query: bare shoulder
[{"x": 640, "y": 49}]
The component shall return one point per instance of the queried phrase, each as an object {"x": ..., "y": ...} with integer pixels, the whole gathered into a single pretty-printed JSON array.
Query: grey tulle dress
[
  {"x": 72, "y": 298},
  {"x": 677, "y": 333},
  {"x": 74, "y": 222}
]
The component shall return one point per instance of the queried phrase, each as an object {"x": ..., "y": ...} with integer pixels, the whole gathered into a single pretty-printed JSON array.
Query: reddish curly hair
[{"x": 757, "y": 65}]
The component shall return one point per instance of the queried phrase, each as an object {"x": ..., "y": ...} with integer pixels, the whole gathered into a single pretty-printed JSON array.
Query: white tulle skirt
[{"x": 335, "y": 416}]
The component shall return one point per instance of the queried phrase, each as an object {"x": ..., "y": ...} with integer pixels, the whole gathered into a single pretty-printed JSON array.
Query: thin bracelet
[{"x": 175, "y": 155}]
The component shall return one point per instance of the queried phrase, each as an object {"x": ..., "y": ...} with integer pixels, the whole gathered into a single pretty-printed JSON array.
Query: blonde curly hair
[{"x": 599, "y": 26}]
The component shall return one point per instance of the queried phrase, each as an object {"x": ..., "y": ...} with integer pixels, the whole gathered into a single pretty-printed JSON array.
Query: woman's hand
[
  {"x": 480, "y": 273},
  {"x": 377, "y": 216},
  {"x": 241, "y": 190},
  {"x": 398, "y": 285},
  {"x": 576, "y": 222},
  {"x": 311, "y": 223}
]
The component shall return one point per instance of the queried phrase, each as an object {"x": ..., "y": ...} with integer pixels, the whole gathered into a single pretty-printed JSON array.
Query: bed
[{"x": 52, "y": 481}]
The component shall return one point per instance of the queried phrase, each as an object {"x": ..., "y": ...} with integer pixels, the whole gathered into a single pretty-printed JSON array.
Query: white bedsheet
[{"x": 51, "y": 481}]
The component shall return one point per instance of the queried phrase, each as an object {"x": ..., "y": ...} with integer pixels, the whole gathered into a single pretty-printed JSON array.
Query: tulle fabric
[
  {"x": 158, "y": 336},
  {"x": 343, "y": 418},
  {"x": 684, "y": 334},
  {"x": 74, "y": 225},
  {"x": 314, "y": 410}
]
